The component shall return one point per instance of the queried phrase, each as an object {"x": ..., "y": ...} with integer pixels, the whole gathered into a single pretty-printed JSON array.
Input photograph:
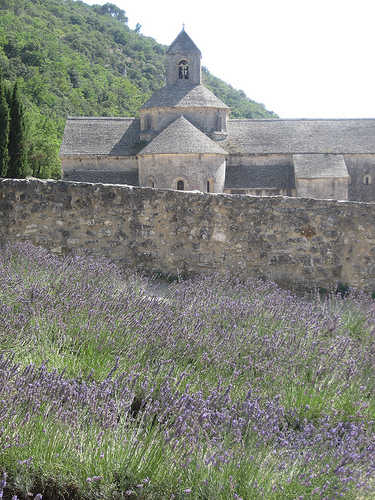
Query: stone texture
[{"x": 298, "y": 243}]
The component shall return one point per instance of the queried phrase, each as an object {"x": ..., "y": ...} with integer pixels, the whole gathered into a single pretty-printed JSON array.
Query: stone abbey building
[{"x": 185, "y": 140}]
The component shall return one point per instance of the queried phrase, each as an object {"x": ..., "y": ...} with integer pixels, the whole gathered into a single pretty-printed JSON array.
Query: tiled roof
[
  {"x": 100, "y": 137},
  {"x": 183, "y": 44},
  {"x": 120, "y": 136},
  {"x": 258, "y": 177},
  {"x": 184, "y": 95},
  {"x": 181, "y": 137},
  {"x": 310, "y": 166},
  {"x": 300, "y": 136}
]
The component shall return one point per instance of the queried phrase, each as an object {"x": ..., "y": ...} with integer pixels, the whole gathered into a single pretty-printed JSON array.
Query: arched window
[
  {"x": 151, "y": 182},
  {"x": 367, "y": 179},
  {"x": 210, "y": 186},
  {"x": 183, "y": 70},
  {"x": 180, "y": 185}
]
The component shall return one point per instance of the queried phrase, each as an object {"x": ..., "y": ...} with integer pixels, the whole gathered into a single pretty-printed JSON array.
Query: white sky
[{"x": 300, "y": 58}]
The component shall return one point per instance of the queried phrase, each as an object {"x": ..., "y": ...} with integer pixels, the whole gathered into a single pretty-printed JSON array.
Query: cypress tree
[
  {"x": 17, "y": 137},
  {"x": 4, "y": 130}
]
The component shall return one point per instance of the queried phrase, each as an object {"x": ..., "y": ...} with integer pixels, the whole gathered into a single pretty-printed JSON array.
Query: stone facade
[
  {"x": 296, "y": 242},
  {"x": 329, "y": 159},
  {"x": 361, "y": 168},
  {"x": 168, "y": 167}
]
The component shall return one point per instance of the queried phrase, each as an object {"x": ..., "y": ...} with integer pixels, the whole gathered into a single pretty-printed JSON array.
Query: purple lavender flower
[{"x": 213, "y": 375}]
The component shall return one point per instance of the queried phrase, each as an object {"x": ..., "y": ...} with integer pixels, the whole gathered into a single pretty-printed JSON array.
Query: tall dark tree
[
  {"x": 17, "y": 137},
  {"x": 4, "y": 129}
]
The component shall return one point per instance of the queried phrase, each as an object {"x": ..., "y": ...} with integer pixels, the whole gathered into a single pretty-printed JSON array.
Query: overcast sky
[{"x": 300, "y": 58}]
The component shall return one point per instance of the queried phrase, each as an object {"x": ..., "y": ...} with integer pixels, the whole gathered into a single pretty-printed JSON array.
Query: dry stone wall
[{"x": 296, "y": 242}]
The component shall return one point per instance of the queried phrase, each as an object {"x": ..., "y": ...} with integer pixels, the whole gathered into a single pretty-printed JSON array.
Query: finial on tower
[{"x": 183, "y": 26}]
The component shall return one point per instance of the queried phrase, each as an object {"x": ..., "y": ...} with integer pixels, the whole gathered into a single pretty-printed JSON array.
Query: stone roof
[
  {"x": 183, "y": 44},
  {"x": 183, "y": 95},
  {"x": 258, "y": 177},
  {"x": 300, "y": 136},
  {"x": 100, "y": 137},
  {"x": 310, "y": 166},
  {"x": 181, "y": 137},
  {"x": 120, "y": 136}
]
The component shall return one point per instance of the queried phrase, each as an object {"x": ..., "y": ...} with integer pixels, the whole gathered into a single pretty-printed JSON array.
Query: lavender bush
[{"x": 219, "y": 388}]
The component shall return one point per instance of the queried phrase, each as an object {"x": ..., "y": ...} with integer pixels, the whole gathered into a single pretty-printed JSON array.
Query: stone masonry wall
[{"x": 294, "y": 241}]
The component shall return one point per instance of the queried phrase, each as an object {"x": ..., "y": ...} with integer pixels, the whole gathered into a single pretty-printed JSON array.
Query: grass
[{"x": 218, "y": 388}]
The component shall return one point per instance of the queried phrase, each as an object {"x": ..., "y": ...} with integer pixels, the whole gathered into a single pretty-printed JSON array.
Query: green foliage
[
  {"x": 75, "y": 59},
  {"x": 29, "y": 141},
  {"x": 112, "y": 10},
  {"x": 17, "y": 148},
  {"x": 79, "y": 60},
  {"x": 4, "y": 129},
  {"x": 43, "y": 147}
]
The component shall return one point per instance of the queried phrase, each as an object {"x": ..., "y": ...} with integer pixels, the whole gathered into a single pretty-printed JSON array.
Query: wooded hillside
[{"x": 74, "y": 59}]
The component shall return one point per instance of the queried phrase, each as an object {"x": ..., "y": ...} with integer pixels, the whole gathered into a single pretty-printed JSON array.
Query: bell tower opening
[{"x": 183, "y": 70}]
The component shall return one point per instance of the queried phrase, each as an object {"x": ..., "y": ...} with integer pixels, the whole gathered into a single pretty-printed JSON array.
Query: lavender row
[{"x": 217, "y": 388}]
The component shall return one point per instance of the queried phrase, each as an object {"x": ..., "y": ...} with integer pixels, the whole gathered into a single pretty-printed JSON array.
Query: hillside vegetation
[{"x": 79, "y": 60}]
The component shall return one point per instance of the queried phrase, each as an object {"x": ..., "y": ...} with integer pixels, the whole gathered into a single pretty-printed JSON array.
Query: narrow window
[
  {"x": 183, "y": 70},
  {"x": 367, "y": 180},
  {"x": 219, "y": 122},
  {"x": 147, "y": 123},
  {"x": 210, "y": 186},
  {"x": 180, "y": 185},
  {"x": 151, "y": 183}
]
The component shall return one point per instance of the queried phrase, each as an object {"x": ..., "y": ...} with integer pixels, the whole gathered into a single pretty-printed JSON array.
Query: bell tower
[{"x": 184, "y": 61}]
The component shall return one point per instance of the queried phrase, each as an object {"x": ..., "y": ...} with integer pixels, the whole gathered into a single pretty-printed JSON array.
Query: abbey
[{"x": 185, "y": 140}]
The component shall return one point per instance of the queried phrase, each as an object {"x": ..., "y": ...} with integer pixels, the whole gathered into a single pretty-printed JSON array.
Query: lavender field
[{"x": 217, "y": 388}]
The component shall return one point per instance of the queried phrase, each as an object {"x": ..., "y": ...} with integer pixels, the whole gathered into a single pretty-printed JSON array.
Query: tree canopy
[{"x": 13, "y": 138}]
